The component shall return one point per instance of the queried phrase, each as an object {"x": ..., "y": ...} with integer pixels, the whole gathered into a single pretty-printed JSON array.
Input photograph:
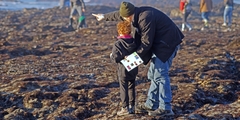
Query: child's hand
[
  {"x": 110, "y": 55},
  {"x": 99, "y": 16}
]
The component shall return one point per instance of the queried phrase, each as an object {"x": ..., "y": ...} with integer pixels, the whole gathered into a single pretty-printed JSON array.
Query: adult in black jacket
[{"x": 158, "y": 39}]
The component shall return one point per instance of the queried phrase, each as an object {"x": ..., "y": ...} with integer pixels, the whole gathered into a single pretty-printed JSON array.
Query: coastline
[{"x": 15, "y": 6}]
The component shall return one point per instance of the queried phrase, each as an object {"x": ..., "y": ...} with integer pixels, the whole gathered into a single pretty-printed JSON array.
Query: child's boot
[{"x": 124, "y": 111}]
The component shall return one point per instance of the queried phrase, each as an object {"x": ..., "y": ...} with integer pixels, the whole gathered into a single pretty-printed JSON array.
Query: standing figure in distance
[
  {"x": 124, "y": 46},
  {"x": 78, "y": 5},
  {"x": 185, "y": 8},
  {"x": 205, "y": 9},
  {"x": 64, "y": 3},
  {"x": 227, "y": 15}
]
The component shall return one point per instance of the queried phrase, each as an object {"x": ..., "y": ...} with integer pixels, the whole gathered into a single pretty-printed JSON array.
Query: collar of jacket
[{"x": 125, "y": 36}]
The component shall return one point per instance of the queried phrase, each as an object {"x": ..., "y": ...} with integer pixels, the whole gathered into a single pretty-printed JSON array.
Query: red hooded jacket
[{"x": 182, "y": 5}]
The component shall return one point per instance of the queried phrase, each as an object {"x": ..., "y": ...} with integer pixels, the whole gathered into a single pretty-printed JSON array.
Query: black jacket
[
  {"x": 154, "y": 32},
  {"x": 228, "y": 3},
  {"x": 124, "y": 47}
]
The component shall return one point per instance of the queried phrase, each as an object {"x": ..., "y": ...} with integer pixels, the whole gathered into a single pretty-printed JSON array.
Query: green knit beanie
[{"x": 126, "y": 9}]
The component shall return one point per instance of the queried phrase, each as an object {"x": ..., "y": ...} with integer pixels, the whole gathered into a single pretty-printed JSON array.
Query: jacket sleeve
[
  {"x": 83, "y": 4},
  {"x": 181, "y": 5},
  {"x": 201, "y": 5},
  {"x": 113, "y": 16},
  {"x": 117, "y": 54},
  {"x": 147, "y": 27}
]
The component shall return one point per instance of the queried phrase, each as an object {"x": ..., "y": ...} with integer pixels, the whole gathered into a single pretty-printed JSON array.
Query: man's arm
[
  {"x": 83, "y": 4},
  {"x": 112, "y": 16},
  {"x": 147, "y": 27}
]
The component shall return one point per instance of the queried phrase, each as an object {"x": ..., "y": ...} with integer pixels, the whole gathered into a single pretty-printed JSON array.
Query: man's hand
[
  {"x": 99, "y": 16},
  {"x": 83, "y": 10}
]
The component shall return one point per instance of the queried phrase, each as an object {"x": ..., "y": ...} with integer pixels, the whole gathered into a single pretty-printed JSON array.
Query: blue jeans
[
  {"x": 159, "y": 94},
  {"x": 184, "y": 20},
  {"x": 205, "y": 16},
  {"x": 227, "y": 15}
]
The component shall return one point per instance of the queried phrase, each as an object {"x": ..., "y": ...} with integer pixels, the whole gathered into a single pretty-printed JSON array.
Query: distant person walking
[
  {"x": 185, "y": 8},
  {"x": 205, "y": 9},
  {"x": 64, "y": 3},
  {"x": 78, "y": 5},
  {"x": 124, "y": 46},
  {"x": 227, "y": 15}
]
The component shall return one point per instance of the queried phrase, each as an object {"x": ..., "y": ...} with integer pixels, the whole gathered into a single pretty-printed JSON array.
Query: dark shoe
[
  {"x": 70, "y": 28},
  {"x": 160, "y": 112},
  {"x": 143, "y": 109},
  {"x": 131, "y": 109},
  {"x": 124, "y": 111},
  {"x": 70, "y": 22}
]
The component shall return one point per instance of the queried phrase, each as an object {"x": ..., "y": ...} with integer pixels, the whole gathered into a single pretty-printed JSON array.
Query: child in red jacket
[{"x": 185, "y": 8}]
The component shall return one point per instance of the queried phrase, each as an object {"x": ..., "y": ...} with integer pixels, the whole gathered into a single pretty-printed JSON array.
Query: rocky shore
[{"x": 48, "y": 72}]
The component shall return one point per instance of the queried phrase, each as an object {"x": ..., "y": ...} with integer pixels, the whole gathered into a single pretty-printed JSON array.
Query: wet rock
[
  {"x": 195, "y": 117},
  {"x": 19, "y": 114}
]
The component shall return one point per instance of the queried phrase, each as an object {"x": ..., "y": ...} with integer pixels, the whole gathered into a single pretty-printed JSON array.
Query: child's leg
[
  {"x": 123, "y": 85},
  {"x": 132, "y": 92}
]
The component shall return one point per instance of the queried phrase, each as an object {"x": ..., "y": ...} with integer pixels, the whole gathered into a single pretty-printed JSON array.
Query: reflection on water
[
  {"x": 5, "y": 5},
  {"x": 21, "y": 4}
]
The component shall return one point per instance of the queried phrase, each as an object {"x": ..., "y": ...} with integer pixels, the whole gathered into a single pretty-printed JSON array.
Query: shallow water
[
  {"x": 21, "y": 4},
  {"x": 5, "y": 5}
]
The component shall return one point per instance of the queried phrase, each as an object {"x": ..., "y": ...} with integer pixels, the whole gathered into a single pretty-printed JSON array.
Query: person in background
[
  {"x": 227, "y": 15},
  {"x": 64, "y": 3},
  {"x": 124, "y": 46},
  {"x": 158, "y": 39},
  {"x": 205, "y": 9},
  {"x": 78, "y": 5},
  {"x": 185, "y": 8}
]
